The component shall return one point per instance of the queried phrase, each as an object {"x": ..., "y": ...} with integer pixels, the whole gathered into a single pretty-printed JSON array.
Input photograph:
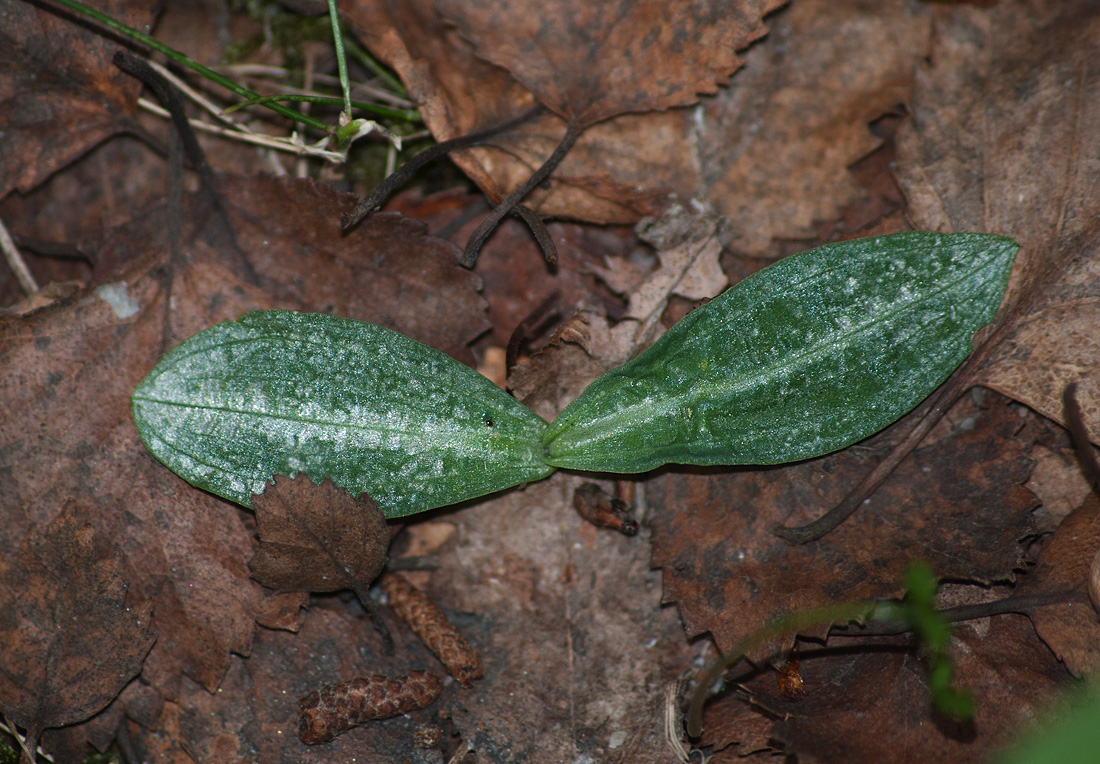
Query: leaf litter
[{"x": 567, "y": 619}]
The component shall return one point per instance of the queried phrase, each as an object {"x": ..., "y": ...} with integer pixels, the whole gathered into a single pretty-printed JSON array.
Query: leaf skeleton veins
[{"x": 805, "y": 357}]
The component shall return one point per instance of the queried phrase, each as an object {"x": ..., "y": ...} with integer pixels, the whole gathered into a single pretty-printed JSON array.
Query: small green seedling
[{"x": 805, "y": 357}]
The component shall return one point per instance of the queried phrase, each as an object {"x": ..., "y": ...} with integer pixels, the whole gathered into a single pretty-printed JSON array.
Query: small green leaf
[
  {"x": 805, "y": 357},
  {"x": 278, "y": 392}
]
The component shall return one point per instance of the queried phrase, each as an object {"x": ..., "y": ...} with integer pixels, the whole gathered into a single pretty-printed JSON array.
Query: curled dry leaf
[
  {"x": 317, "y": 538},
  {"x": 68, "y": 641},
  {"x": 604, "y": 511}
]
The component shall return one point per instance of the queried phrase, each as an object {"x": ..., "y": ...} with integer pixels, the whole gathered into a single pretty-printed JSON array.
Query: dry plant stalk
[
  {"x": 433, "y": 628},
  {"x": 339, "y": 707}
]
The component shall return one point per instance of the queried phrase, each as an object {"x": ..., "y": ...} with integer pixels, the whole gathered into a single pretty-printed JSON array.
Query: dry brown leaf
[
  {"x": 462, "y": 92},
  {"x": 253, "y": 717},
  {"x": 1069, "y": 625},
  {"x": 774, "y": 148},
  {"x": 1057, "y": 481},
  {"x": 68, "y": 641},
  {"x": 1005, "y": 114},
  {"x": 587, "y": 62},
  {"x": 317, "y": 538},
  {"x": 60, "y": 95},
  {"x": 870, "y": 704},
  {"x": 70, "y": 368},
  {"x": 770, "y": 151},
  {"x": 958, "y": 504}
]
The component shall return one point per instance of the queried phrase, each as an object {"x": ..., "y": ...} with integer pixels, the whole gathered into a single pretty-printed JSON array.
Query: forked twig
[
  {"x": 489, "y": 224},
  {"x": 405, "y": 172}
]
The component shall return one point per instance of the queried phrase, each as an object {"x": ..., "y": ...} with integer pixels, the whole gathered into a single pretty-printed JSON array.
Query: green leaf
[
  {"x": 278, "y": 392},
  {"x": 805, "y": 357}
]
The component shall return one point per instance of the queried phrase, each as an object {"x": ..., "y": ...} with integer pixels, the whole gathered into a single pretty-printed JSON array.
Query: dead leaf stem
[
  {"x": 1080, "y": 435},
  {"x": 16, "y": 263},
  {"x": 489, "y": 224},
  {"x": 405, "y": 172}
]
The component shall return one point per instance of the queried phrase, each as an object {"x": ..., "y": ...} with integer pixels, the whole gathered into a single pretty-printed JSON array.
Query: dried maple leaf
[
  {"x": 1003, "y": 114},
  {"x": 68, "y": 641},
  {"x": 60, "y": 95},
  {"x": 317, "y": 538}
]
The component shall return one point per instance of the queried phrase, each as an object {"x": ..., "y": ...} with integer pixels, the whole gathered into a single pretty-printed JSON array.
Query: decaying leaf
[
  {"x": 60, "y": 94},
  {"x": 68, "y": 641},
  {"x": 1004, "y": 111},
  {"x": 1069, "y": 624},
  {"x": 589, "y": 62},
  {"x": 317, "y": 538},
  {"x": 770, "y": 150},
  {"x": 870, "y": 704},
  {"x": 71, "y": 366},
  {"x": 947, "y": 504}
]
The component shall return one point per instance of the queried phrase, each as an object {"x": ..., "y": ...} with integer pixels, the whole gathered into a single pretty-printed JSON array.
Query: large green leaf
[
  {"x": 805, "y": 357},
  {"x": 279, "y": 392}
]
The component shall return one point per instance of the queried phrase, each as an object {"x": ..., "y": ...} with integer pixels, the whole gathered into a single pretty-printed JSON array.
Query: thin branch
[
  {"x": 405, "y": 172},
  {"x": 16, "y": 263},
  {"x": 540, "y": 232},
  {"x": 489, "y": 224},
  {"x": 1080, "y": 434}
]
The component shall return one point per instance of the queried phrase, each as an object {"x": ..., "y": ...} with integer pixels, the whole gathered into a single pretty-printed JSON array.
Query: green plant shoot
[{"x": 807, "y": 356}]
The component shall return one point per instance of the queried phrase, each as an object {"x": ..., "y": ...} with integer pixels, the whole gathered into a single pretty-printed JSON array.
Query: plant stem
[
  {"x": 341, "y": 59},
  {"x": 367, "y": 61},
  {"x": 180, "y": 58},
  {"x": 381, "y": 111}
]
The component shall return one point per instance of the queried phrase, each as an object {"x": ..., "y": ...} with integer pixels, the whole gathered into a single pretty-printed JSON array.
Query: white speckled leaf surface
[
  {"x": 804, "y": 357},
  {"x": 278, "y": 392}
]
